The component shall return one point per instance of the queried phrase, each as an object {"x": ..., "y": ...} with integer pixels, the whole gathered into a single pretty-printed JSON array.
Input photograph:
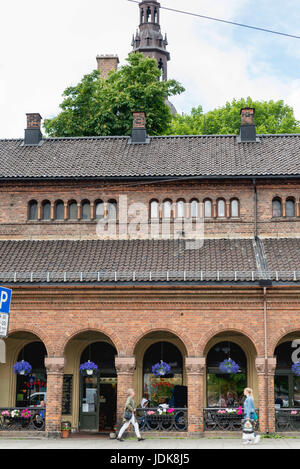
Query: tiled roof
[
  {"x": 140, "y": 260},
  {"x": 114, "y": 157}
]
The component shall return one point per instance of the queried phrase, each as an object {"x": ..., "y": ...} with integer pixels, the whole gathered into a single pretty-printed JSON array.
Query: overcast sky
[{"x": 46, "y": 46}]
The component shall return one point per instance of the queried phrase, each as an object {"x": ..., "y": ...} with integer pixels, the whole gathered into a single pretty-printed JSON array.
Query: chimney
[
  {"x": 248, "y": 127},
  {"x": 139, "y": 132},
  {"x": 33, "y": 134},
  {"x": 107, "y": 63}
]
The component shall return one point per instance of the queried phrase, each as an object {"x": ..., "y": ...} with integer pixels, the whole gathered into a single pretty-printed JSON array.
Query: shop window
[
  {"x": 225, "y": 390},
  {"x": 221, "y": 208},
  {"x": 59, "y": 210},
  {"x": 207, "y": 208},
  {"x": 99, "y": 210},
  {"x": 194, "y": 208},
  {"x": 287, "y": 385},
  {"x": 234, "y": 208},
  {"x": 73, "y": 210},
  {"x": 154, "y": 209},
  {"x": 162, "y": 390},
  {"x": 290, "y": 208},
  {"x": 112, "y": 209},
  {"x": 31, "y": 390},
  {"x": 33, "y": 210},
  {"x": 46, "y": 210},
  {"x": 277, "y": 208},
  {"x": 86, "y": 210}
]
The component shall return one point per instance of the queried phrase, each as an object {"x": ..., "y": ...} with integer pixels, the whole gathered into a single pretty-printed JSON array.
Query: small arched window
[
  {"x": 99, "y": 210},
  {"x": 234, "y": 208},
  {"x": 194, "y": 208},
  {"x": 207, "y": 208},
  {"x": 86, "y": 210},
  {"x": 221, "y": 208},
  {"x": 277, "y": 208},
  {"x": 290, "y": 208},
  {"x": 112, "y": 209},
  {"x": 72, "y": 210},
  {"x": 33, "y": 210},
  {"x": 180, "y": 206},
  {"x": 46, "y": 210},
  {"x": 59, "y": 210},
  {"x": 154, "y": 213},
  {"x": 142, "y": 15},
  {"x": 155, "y": 15},
  {"x": 167, "y": 209},
  {"x": 148, "y": 15}
]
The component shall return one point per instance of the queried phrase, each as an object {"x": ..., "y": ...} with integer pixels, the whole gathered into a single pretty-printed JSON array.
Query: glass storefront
[
  {"x": 225, "y": 390},
  {"x": 287, "y": 385},
  {"x": 168, "y": 389}
]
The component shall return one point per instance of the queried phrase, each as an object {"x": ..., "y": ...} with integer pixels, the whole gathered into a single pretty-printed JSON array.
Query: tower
[{"x": 149, "y": 39}]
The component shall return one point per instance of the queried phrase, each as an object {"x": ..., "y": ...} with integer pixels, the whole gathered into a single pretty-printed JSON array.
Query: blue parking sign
[{"x": 5, "y": 300}]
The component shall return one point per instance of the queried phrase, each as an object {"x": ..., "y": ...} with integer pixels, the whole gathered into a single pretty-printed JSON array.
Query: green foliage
[
  {"x": 104, "y": 107},
  {"x": 271, "y": 117}
]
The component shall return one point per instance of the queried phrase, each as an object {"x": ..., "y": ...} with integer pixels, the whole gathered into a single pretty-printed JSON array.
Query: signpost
[{"x": 5, "y": 301}]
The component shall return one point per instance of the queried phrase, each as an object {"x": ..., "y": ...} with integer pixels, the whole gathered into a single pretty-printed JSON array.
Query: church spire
[{"x": 149, "y": 39}]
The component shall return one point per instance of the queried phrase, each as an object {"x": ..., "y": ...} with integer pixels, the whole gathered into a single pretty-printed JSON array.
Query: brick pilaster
[
  {"x": 265, "y": 372},
  {"x": 55, "y": 374},
  {"x": 195, "y": 368},
  {"x": 125, "y": 367}
]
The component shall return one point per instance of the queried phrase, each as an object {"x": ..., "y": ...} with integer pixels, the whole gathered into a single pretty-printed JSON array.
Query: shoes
[
  {"x": 141, "y": 439},
  {"x": 119, "y": 439},
  {"x": 247, "y": 442},
  {"x": 256, "y": 440}
]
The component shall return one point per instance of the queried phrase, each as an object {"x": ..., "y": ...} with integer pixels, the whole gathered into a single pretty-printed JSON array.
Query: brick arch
[
  {"x": 38, "y": 332},
  {"x": 133, "y": 342},
  {"x": 202, "y": 344},
  {"x": 281, "y": 333},
  {"x": 61, "y": 346}
]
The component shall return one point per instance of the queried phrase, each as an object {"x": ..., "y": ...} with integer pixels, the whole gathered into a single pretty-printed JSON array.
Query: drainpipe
[
  {"x": 266, "y": 358},
  {"x": 255, "y": 209}
]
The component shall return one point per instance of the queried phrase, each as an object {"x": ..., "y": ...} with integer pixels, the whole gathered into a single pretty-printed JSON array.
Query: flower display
[
  {"x": 238, "y": 411},
  {"x": 229, "y": 367},
  {"x": 22, "y": 368},
  {"x": 5, "y": 413},
  {"x": 296, "y": 369},
  {"x": 161, "y": 369},
  {"x": 25, "y": 414},
  {"x": 88, "y": 368},
  {"x": 15, "y": 413}
]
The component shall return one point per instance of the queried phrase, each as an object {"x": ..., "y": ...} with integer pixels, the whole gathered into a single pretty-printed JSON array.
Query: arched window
[
  {"x": 46, "y": 210},
  {"x": 148, "y": 15},
  {"x": 180, "y": 208},
  {"x": 154, "y": 209},
  {"x": 112, "y": 209},
  {"x": 287, "y": 385},
  {"x": 225, "y": 390},
  {"x": 277, "y": 208},
  {"x": 142, "y": 15},
  {"x": 221, "y": 208},
  {"x": 234, "y": 208},
  {"x": 167, "y": 209},
  {"x": 155, "y": 15},
  {"x": 290, "y": 208},
  {"x": 207, "y": 208},
  {"x": 162, "y": 393},
  {"x": 72, "y": 210},
  {"x": 194, "y": 208},
  {"x": 99, "y": 210},
  {"x": 59, "y": 210},
  {"x": 33, "y": 210},
  {"x": 86, "y": 210}
]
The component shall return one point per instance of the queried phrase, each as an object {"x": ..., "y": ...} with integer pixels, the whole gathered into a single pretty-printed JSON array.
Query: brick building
[{"x": 128, "y": 299}]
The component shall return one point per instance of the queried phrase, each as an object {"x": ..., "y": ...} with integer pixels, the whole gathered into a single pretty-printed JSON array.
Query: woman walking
[
  {"x": 129, "y": 417},
  {"x": 249, "y": 416}
]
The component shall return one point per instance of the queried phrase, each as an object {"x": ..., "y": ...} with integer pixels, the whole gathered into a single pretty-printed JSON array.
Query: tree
[
  {"x": 271, "y": 117},
  {"x": 104, "y": 107}
]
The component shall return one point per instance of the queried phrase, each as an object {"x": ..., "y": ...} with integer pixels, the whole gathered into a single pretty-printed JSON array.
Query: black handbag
[{"x": 127, "y": 415}]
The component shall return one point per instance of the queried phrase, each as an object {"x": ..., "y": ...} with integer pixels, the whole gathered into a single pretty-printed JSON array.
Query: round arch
[
  {"x": 106, "y": 335},
  {"x": 223, "y": 329}
]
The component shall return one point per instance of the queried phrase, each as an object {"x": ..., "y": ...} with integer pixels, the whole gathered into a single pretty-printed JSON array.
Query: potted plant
[
  {"x": 229, "y": 367},
  {"x": 88, "y": 368},
  {"x": 22, "y": 368},
  {"x": 65, "y": 429}
]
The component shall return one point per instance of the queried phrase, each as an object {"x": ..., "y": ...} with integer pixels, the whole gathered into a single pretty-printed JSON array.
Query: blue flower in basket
[
  {"x": 296, "y": 369},
  {"x": 229, "y": 367},
  {"x": 88, "y": 368},
  {"x": 161, "y": 369},
  {"x": 22, "y": 368}
]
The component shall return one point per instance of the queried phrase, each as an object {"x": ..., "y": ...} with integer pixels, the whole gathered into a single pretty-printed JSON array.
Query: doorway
[{"x": 98, "y": 393}]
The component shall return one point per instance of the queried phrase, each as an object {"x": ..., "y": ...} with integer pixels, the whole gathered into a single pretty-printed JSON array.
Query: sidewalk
[{"x": 170, "y": 444}]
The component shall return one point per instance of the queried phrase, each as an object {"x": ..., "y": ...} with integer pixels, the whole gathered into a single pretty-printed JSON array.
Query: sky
[{"x": 47, "y": 46}]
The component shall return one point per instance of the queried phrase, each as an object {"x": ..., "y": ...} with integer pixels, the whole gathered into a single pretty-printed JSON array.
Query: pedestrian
[
  {"x": 250, "y": 417},
  {"x": 129, "y": 417}
]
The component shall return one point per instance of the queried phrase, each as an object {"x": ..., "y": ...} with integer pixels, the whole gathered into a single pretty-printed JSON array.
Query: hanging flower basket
[
  {"x": 88, "y": 368},
  {"x": 161, "y": 369},
  {"x": 22, "y": 368},
  {"x": 296, "y": 369},
  {"x": 229, "y": 367}
]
